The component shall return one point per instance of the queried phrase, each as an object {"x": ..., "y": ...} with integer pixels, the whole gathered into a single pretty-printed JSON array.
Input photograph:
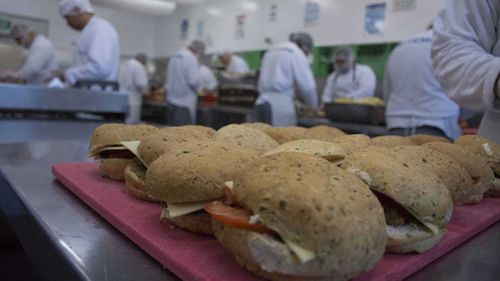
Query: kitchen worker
[
  {"x": 97, "y": 47},
  {"x": 134, "y": 81},
  {"x": 233, "y": 63},
  {"x": 466, "y": 57},
  {"x": 349, "y": 80},
  {"x": 416, "y": 102},
  {"x": 284, "y": 67},
  {"x": 208, "y": 81},
  {"x": 183, "y": 83},
  {"x": 41, "y": 58}
]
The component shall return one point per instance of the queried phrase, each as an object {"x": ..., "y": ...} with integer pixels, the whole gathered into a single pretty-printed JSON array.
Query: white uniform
[
  {"x": 283, "y": 67},
  {"x": 359, "y": 82},
  {"x": 133, "y": 80},
  {"x": 466, "y": 56},
  {"x": 237, "y": 65},
  {"x": 207, "y": 78},
  {"x": 413, "y": 94},
  {"x": 40, "y": 62},
  {"x": 97, "y": 53},
  {"x": 183, "y": 81}
]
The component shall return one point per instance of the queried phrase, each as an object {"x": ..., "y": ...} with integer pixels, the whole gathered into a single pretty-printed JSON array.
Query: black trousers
[
  {"x": 263, "y": 113},
  {"x": 178, "y": 115}
]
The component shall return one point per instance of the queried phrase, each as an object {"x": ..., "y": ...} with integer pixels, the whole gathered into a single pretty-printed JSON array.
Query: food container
[{"x": 356, "y": 113}]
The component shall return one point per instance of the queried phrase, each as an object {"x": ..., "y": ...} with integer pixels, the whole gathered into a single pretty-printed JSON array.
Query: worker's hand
[{"x": 59, "y": 74}]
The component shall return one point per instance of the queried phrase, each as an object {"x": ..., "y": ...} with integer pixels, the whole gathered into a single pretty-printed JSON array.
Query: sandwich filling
[{"x": 233, "y": 214}]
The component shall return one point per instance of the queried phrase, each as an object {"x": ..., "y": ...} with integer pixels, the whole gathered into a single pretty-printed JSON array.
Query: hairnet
[
  {"x": 69, "y": 7},
  {"x": 19, "y": 31},
  {"x": 141, "y": 57},
  {"x": 197, "y": 45},
  {"x": 303, "y": 40},
  {"x": 345, "y": 52}
]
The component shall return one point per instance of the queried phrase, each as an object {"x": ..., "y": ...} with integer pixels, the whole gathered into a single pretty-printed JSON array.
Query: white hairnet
[
  {"x": 197, "y": 45},
  {"x": 70, "y": 7},
  {"x": 345, "y": 52},
  {"x": 19, "y": 31},
  {"x": 303, "y": 40}
]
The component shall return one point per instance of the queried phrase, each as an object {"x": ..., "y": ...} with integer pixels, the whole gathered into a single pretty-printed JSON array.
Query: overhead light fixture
[
  {"x": 214, "y": 12},
  {"x": 155, "y": 7},
  {"x": 248, "y": 5}
]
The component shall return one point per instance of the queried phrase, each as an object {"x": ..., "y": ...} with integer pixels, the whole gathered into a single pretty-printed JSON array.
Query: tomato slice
[{"x": 236, "y": 217}]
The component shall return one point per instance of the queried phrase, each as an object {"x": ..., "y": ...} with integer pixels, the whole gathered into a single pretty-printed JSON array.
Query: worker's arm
[
  {"x": 387, "y": 83},
  {"x": 34, "y": 63},
  {"x": 141, "y": 79},
  {"x": 193, "y": 74},
  {"x": 304, "y": 79},
  {"x": 100, "y": 53},
  {"x": 464, "y": 36},
  {"x": 328, "y": 91},
  {"x": 367, "y": 84}
]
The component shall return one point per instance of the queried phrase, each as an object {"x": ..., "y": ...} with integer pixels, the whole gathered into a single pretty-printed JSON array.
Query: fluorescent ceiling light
[
  {"x": 249, "y": 5},
  {"x": 155, "y": 7},
  {"x": 214, "y": 12}
]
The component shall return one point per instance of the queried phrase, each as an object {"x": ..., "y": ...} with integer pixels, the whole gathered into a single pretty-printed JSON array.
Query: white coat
[
  {"x": 134, "y": 81},
  {"x": 183, "y": 80},
  {"x": 97, "y": 53},
  {"x": 40, "y": 61},
  {"x": 237, "y": 65},
  {"x": 413, "y": 94},
  {"x": 285, "y": 66},
  {"x": 207, "y": 78},
  {"x": 359, "y": 82},
  {"x": 466, "y": 56}
]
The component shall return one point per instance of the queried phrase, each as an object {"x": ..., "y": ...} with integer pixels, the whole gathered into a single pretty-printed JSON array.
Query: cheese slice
[
  {"x": 177, "y": 210},
  {"x": 229, "y": 184},
  {"x": 304, "y": 255},
  {"x": 487, "y": 149},
  {"x": 132, "y": 146},
  {"x": 432, "y": 227}
]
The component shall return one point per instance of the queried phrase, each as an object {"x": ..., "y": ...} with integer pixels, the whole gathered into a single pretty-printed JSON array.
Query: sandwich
[
  {"x": 286, "y": 134},
  {"x": 352, "y": 143},
  {"x": 390, "y": 141},
  {"x": 327, "y": 150},
  {"x": 489, "y": 151},
  {"x": 324, "y": 133},
  {"x": 170, "y": 139},
  {"x": 246, "y": 137},
  {"x": 293, "y": 216},
  {"x": 106, "y": 146},
  {"x": 449, "y": 171},
  {"x": 417, "y": 205},
  {"x": 135, "y": 178},
  {"x": 187, "y": 178},
  {"x": 481, "y": 175},
  {"x": 422, "y": 139}
]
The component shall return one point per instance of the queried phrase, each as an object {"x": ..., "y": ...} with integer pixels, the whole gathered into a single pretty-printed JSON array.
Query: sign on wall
[
  {"x": 375, "y": 19},
  {"x": 200, "y": 29},
  {"x": 273, "y": 12},
  {"x": 404, "y": 5},
  {"x": 240, "y": 27},
  {"x": 184, "y": 29},
  {"x": 311, "y": 12}
]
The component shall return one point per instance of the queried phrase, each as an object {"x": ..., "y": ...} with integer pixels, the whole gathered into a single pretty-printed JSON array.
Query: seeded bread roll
[
  {"x": 390, "y": 141},
  {"x": 314, "y": 204},
  {"x": 246, "y": 137},
  {"x": 286, "y": 134},
  {"x": 135, "y": 181},
  {"x": 352, "y": 143},
  {"x": 327, "y": 150},
  {"x": 485, "y": 148},
  {"x": 422, "y": 139},
  {"x": 257, "y": 125},
  {"x": 324, "y": 133}
]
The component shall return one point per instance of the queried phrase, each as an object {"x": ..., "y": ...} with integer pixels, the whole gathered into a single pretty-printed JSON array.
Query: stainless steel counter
[{"x": 66, "y": 240}]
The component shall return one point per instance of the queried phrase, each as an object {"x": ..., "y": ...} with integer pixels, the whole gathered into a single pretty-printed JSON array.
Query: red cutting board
[{"x": 201, "y": 258}]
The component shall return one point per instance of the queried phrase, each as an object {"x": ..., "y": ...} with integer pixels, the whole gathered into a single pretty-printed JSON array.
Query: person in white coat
[
  {"x": 41, "y": 58},
  {"x": 466, "y": 56},
  {"x": 416, "y": 102},
  {"x": 183, "y": 83},
  {"x": 97, "y": 47},
  {"x": 285, "y": 66},
  {"x": 233, "y": 63},
  {"x": 134, "y": 81},
  {"x": 349, "y": 80},
  {"x": 208, "y": 81}
]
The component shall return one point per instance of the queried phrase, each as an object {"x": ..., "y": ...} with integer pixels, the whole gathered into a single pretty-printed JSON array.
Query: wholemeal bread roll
[
  {"x": 170, "y": 139},
  {"x": 352, "y": 143},
  {"x": 195, "y": 175},
  {"x": 313, "y": 204},
  {"x": 257, "y": 125},
  {"x": 481, "y": 175},
  {"x": 246, "y": 137},
  {"x": 422, "y": 139},
  {"x": 323, "y": 133},
  {"x": 330, "y": 151},
  {"x": 483, "y": 147},
  {"x": 286, "y": 134},
  {"x": 453, "y": 175},
  {"x": 416, "y": 203},
  {"x": 105, "y": 146},
  {"x": 390, "y": 141}
]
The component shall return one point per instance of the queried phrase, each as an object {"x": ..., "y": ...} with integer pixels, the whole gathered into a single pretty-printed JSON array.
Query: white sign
[
  {"x": 404, "y": 5},
  {"x": 311, "y": 12},
  {"x": 375, "y": 19}
]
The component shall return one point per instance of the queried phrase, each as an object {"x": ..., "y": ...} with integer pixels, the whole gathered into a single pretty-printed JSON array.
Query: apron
[{"x": 282, "y": 108}]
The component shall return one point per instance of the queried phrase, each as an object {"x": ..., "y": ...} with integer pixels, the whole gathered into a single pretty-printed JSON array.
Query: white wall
[
  {"x": 136, "y": 31},
  {"x": 341, "y": 22}
]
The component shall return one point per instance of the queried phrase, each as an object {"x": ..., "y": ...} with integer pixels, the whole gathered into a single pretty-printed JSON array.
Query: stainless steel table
[{"x": 66, "y": 240}]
